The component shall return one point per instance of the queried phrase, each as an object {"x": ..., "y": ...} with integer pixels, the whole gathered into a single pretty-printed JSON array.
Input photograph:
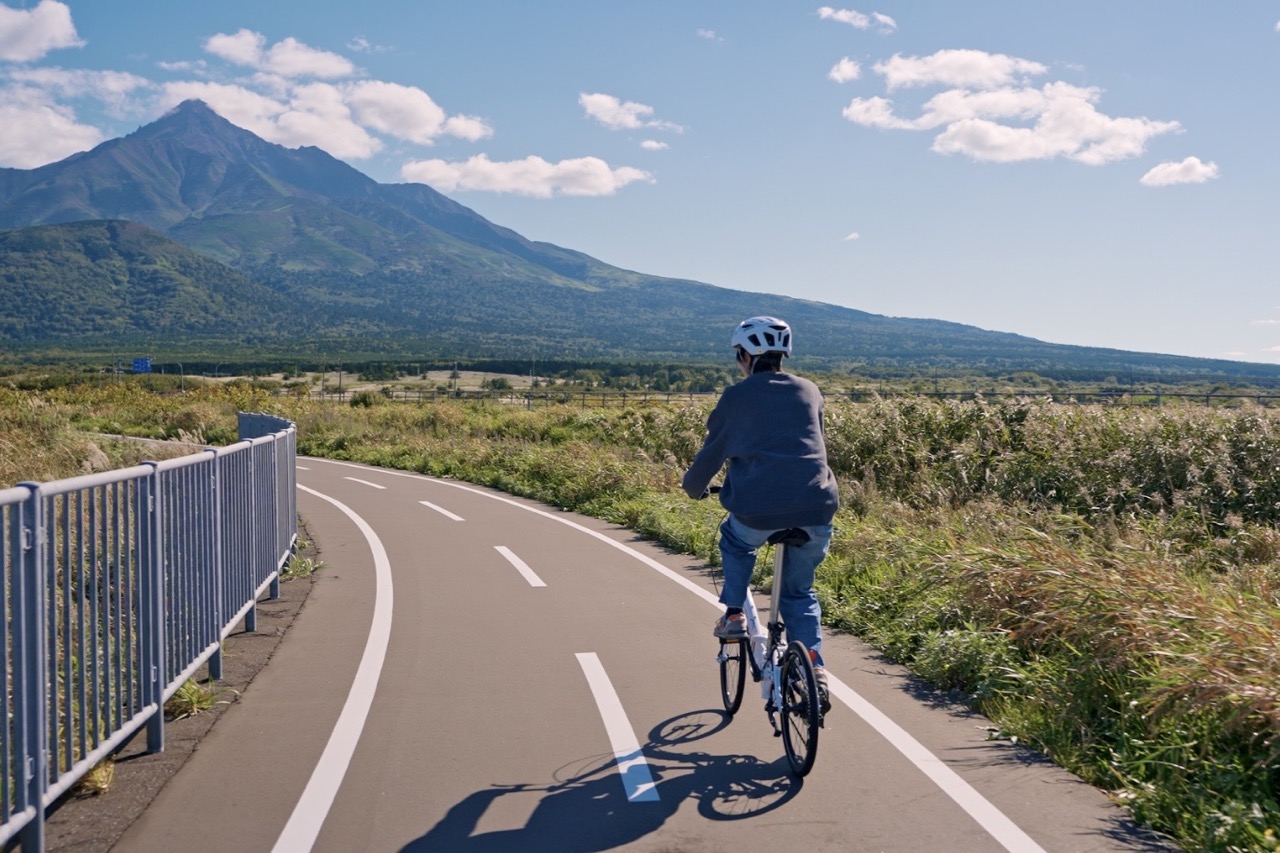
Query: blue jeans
[{"x": 799, "y": 607}]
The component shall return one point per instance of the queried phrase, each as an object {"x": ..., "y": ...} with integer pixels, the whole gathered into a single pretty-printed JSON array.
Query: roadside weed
[
  {"x": 192, "y": 698},
  {"x": 98, "y": 780}
]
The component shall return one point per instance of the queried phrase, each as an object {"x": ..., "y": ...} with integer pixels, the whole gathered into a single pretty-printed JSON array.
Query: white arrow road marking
[
  {"x": 442, "y": 511},
  {"x": 364, "y": 482},
  {"x": 634, "y": 770},
  {"x": 313, "y": 806},
  {"x": 521, "y": 566}
]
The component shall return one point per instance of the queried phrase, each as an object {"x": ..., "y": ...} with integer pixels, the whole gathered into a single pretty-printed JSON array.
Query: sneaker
[
  {"x": 824, "y": 692},
  {"x": 731, "y": 627}
]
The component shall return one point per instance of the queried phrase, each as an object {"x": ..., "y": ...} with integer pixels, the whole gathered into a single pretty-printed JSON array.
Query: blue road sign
[{"x": 142, "y": 365}]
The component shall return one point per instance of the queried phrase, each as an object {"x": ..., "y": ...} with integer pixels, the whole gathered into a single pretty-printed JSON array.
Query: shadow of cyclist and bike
[{"x": 585, "y": 808}]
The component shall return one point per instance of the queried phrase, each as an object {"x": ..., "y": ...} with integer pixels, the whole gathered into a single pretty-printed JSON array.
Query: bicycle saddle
[{"x": 793, "y": 536}]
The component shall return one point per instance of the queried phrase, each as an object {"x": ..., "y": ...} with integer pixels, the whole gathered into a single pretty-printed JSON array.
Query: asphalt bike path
[{"x": 477, "y": 672}]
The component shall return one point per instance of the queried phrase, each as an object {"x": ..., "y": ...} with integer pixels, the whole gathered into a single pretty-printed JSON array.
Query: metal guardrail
[
  {"x": 594, "y": 399},
  {"x": 116, "y": 588}
]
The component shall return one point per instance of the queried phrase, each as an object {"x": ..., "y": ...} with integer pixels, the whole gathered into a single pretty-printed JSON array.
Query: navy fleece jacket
[{"x": 768, "y": 427}]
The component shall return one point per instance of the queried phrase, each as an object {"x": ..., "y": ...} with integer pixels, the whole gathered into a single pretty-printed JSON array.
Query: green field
[{"x": 1102, "y": 582}]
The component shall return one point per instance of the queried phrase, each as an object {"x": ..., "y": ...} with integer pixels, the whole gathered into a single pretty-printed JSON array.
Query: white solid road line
[
  {"x": 313, "y": 806},
  {"x": 994, "y": 821},
  {"x": 991, "y": 819},
  {"x": 364, "y": 482},
  {"x": 521, "y": 566},
  {"x": 637, "y": 781},
  {"x": 442, "y": 511}
]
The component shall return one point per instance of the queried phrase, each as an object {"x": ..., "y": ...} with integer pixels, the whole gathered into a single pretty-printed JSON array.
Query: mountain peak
[
  {"x": 192, "y": 120},
  {"x": 191, "y": 112}
]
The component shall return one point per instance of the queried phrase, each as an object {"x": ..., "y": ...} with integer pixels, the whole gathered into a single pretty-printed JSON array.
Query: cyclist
[{"x": 768, "y": 427}]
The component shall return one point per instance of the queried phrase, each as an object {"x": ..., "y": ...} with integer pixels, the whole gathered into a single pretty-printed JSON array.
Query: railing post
[
  {"x": 31, "y": 710},
  {"x": 151, "y": 571},
  {"x": 274, "y": 588},
  {"x": 251, "y": 615},
  {"x": 215, "y": 661}
]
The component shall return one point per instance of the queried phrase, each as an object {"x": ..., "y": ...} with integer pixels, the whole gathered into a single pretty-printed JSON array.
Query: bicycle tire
[
  {"x": 801, "y": 717},
  {"x": 733, "y": 673}
]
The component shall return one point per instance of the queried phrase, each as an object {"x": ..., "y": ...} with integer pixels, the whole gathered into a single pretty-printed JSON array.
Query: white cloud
[
  {"x": 237, "y": 104},
  {"x": 287, "y": 58},
  {"x": 38, "y": 131},
  {"x": 845, "y": 70},
  {"x": 1066, "y": 124},
  {"x": 113, "y": 88},
  {"x": 318, "y": 115},
  {"x": 876, "y": 112},
  {"x": 407, "y": 112},
  {"x": 315, "y": 114},
  {"x": 196, "y": 67},
  {"x": 27, "y": 35},
  {"x": 1190, "y": 171},
  {"x": 532, "y": 176},
  {"x": 973, "y": 69},
  {"x": 242, "y": 48},
  {"x": 845, "y": 16},
  {"x": 340, "y": 118},
  {"x": 858, "y": 20},
  {"x": 360, "y": 44},
  {"x": 853, "y": 235},
  {"x": 1264, "y": 322},
  {"x": 886, "y": 23},
  {"x": 470, "y": 128},
  {"x": 617, "y": 114},
  {"x": 989, "y": 114},
  {"x": 709, "y": 35},
  {"x": 292, "y": 58},
  {"x": 654, "y": 145}
]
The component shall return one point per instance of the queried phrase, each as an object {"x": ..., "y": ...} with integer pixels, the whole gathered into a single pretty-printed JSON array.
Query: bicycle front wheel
[
  {"x": 800, "y": 712},
  {"x": 733, "y": 673}
]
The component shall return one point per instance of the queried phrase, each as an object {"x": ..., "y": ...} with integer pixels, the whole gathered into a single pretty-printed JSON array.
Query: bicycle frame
[{"x": 765, "y": 646}]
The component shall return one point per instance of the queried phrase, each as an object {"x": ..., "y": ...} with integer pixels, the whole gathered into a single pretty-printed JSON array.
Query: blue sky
[{"x": 1095, "y": 173}]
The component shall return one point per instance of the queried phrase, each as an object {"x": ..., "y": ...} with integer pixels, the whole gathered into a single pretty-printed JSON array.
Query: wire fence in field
[{"x": 608, "y": 399}]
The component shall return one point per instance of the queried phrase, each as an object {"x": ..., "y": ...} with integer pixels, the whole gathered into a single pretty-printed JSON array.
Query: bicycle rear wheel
[
  {"x": 800, "y": 712},
  {"x": 733, "y": 673}
]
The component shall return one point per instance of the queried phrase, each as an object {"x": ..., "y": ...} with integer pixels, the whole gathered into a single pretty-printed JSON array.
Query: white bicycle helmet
[{"x": 760, "y": 335}]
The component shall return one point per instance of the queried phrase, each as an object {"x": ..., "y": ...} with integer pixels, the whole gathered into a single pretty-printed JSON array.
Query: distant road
[{"x": 475, "y": 672}]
